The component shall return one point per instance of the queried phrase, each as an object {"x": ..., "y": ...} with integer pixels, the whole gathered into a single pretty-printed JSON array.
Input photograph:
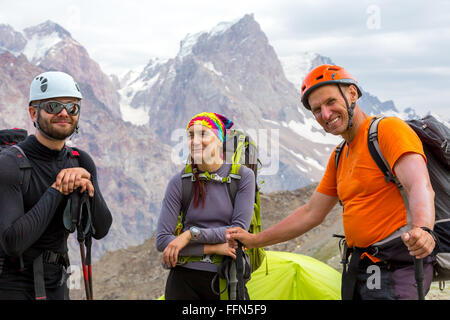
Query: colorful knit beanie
[{"x": 216, "y": 122}]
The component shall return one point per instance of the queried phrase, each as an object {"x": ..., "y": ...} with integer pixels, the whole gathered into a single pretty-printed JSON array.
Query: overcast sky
[{"x": 398, "y": 50}]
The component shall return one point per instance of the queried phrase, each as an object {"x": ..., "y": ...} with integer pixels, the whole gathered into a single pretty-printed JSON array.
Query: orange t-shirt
[{"x": 373, "y": 208}]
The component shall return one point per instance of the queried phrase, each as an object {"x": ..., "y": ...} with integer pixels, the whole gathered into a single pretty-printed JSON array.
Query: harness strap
[
  {"x": 208, "y": 258},
  {"x": 38, "y": 275},
  {"x": 349, "y": 278}
]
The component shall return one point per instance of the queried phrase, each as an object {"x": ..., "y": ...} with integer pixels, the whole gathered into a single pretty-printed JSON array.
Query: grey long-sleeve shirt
[{"x": 217, "y": 215}]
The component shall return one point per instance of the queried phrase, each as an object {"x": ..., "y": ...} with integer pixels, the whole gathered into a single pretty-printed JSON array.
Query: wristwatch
[{"x": 195, "y": 232}]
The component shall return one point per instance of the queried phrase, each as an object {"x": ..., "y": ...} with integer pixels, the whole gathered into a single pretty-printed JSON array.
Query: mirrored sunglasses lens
[
  {"x": 72, "y": 108},
  {"x": 53, "y": 107}
]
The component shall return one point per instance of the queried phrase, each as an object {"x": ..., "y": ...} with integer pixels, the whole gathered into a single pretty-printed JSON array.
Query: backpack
[
  {"x": 9, "y": 138},
  {"x": 435, "y": 137},
  {"x": 239, "y": 149}
]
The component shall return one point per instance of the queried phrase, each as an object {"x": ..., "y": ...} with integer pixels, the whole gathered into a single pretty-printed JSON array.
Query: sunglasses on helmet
[{"x": 55, "y": 107}]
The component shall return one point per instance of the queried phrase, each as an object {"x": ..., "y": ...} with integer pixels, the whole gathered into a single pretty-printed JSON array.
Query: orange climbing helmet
[{"x": 322, "y": 75}]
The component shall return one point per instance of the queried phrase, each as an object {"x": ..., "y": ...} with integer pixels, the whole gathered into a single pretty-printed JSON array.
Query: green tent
[{"x": 291, "y": 276}]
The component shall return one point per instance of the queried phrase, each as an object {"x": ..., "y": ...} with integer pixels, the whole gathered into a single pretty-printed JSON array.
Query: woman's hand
[
  {"x": 170, "y": 254},
  {"x": 222, "y": 249}
]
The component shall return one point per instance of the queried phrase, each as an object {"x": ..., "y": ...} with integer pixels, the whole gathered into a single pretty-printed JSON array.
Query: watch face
[{"x": 195, "y": 232}]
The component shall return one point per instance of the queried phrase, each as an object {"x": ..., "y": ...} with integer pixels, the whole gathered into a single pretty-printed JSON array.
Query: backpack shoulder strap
[
  {"x": 74, "y": 157},
  {"x": 337, "y": 153},
  {"x": 24, "y": 166},
  {"x": 375, "y": 151},
  {"x": 337, "y": 156},
  {"x": 233, "y": 184},
  {"x": 187, "y": 192}
]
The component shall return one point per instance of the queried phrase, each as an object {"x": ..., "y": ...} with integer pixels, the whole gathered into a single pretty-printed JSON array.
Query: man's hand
[
  {"x": 170, "y": 254},
  {"x": 236, "y": 233},
  {"x": 73, "y": 178},
  {"x": 419, "y": 242}
]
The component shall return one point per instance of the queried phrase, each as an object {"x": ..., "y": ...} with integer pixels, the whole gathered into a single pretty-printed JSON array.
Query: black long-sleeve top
[{"x": 35, "y": 219}]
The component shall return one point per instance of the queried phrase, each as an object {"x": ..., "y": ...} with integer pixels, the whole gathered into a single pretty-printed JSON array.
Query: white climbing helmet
[{"x": 53, "y": 84}]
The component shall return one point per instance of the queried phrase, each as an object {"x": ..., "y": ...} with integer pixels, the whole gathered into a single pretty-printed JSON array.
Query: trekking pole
[
  {"x": 240, "y": 272},
  {"x": 83, "y": 237},
  {"x": 233, "y": 281},
  {"x": 89, "y": 265},
  {"x": 84, "y": 228},
  {"x": 85, "y": 271},
  {"x": 418, "y": 273}
]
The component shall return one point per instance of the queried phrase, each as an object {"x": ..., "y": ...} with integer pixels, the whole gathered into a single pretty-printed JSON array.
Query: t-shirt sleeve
[
  {"x": 396, "y": 139},
  {"x": 328, "y": 185}
]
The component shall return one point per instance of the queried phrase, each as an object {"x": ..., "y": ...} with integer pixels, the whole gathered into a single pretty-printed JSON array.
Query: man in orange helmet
[{"x": 380, "y": 232}]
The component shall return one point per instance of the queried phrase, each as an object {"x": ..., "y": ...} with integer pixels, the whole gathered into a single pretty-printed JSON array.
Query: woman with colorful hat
[{"x": 193, "y": 242}]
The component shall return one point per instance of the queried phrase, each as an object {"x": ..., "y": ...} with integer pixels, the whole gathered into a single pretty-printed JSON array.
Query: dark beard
[{"x": 49, "y": 130}]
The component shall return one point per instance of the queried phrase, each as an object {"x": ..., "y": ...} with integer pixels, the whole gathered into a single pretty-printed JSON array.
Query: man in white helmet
[{"x": 33, "y": 197}]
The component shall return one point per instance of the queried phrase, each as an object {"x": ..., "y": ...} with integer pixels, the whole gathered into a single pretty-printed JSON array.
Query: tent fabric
[{"x": 292, "y": 276}]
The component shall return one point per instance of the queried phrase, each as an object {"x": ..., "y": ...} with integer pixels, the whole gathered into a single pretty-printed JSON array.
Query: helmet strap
[
  {"x": 349, "y": 108},
  {"x": 36, "y": 124},
  {"x": 74, "y": 133}
]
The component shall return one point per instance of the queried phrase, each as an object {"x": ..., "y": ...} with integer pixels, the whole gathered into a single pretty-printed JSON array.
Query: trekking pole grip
[{"x": 419, "y": 275}]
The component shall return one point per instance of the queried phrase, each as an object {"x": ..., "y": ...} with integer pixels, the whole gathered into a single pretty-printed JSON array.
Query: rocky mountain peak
[
  {"x": 43, "y": 38},
  {"x": 232, "y": 46},
  {"x": 11, "y": 39},
  {"x": 46, "y": 29}
]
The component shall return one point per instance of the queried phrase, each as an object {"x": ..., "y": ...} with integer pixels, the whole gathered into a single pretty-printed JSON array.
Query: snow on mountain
[
  {"x": 137, "y": 116},
  {"x": 42, "y": 38},
  {"x": 297, "y": 66},
  {"x": 132, "y": 83},
  {"x": 34, "y": 42},
  {"x": 37, "y": 47}
]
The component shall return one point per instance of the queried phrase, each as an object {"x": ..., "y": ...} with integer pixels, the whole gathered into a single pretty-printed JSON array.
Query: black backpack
[
  {"x": 9, "y": 138},
  {"x": 435, "y": 137}
]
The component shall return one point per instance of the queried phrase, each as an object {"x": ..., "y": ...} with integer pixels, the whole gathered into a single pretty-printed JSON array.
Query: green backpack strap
[
  {"x": 223, "y": 289},
  {"x": 186, "y": 196},
  {"x": 233, "y": 185}
]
